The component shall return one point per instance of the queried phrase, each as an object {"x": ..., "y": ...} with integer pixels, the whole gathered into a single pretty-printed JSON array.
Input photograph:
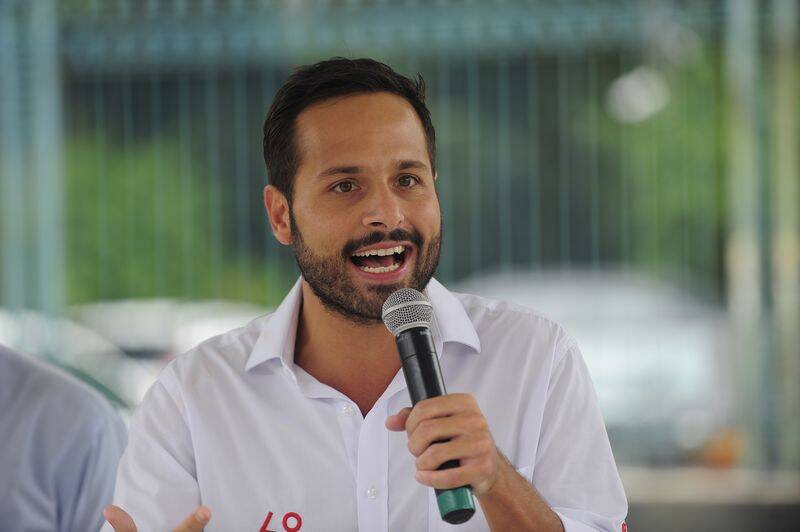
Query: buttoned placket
[
  {"x": 372, "y": 463},
  {"x": 366, "y": 440},
  {"x": 367, "y": 444},
  {"x": 350, "y": 422}
]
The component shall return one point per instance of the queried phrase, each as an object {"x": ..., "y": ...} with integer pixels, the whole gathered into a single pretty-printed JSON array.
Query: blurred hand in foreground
[{"x": 122, "y": 522}]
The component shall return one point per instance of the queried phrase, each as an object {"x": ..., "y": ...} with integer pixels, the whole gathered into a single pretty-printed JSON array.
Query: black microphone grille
[{"x": 406, "y": 308}]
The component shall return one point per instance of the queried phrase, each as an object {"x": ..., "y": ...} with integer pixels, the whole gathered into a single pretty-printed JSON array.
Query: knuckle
[
  {"x": 432, "y": 458},
  {"x": 424, "y": 429},
  {"x": 444, "y": 454},
  {"x": 468, "y": 399},
  {"x": 413, "y": 448},
  {"x": 485, "y": 445},
  {"x": 436, "y": 454},
  {"x": 478, "y": 421}
]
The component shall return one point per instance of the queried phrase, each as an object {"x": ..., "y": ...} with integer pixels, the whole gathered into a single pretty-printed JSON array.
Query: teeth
[
  {"x": 381, "y": 269},
  {"x": 379, "y": 252}
]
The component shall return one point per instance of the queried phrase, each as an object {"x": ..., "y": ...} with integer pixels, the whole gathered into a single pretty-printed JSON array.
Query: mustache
[{"x": 378, "y": 236}]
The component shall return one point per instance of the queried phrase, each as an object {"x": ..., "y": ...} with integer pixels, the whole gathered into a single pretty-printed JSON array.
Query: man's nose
[{"x": 384, "y": 210}]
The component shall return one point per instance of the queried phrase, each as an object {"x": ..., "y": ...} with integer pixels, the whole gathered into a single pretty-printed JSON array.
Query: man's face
[{"x": 365, "y": 217}]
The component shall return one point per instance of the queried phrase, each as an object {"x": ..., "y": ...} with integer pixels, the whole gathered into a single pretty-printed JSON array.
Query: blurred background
[{"x": 630, "y": 168}]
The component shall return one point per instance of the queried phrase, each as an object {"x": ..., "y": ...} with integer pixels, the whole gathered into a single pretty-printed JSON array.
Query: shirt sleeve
[
  {"x": 156, "y": 479},
  {"x": 86, "y": 482},
  {"x": 574, "y": 468}
]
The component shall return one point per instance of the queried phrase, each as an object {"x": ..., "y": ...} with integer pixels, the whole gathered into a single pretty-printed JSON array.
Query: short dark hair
[{"x": 337, "y": 76}]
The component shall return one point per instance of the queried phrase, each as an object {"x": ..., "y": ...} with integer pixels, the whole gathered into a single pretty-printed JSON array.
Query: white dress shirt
[{"x": 235, "y": 425}]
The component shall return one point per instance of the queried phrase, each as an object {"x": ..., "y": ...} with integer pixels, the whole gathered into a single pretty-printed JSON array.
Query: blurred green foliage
[
  {"x": 138, "y": 226},
  {"x": 670, "y": 187}
]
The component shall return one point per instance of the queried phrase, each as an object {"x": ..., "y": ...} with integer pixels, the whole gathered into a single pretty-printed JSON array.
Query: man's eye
[
  {"x": 344, "y": 186},
  {"x": 407, "y": 180}
]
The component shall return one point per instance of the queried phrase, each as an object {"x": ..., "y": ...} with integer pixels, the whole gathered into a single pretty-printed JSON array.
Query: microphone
[{"x": 407, "y": 314}]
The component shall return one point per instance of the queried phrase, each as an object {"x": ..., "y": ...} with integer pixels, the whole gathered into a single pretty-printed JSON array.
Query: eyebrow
[
  {"x": 401, "y": 165},
  {"x": 411, "y": 163},
  {"x": 336, "y": 170}
]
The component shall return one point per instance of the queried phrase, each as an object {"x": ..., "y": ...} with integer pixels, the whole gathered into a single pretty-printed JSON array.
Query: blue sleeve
[{"x": 87, "y": 473}]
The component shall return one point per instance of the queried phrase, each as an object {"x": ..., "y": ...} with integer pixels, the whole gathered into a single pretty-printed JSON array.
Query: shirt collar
[
  {"x": 279, "y": 332},
  {"x": 449, "y": 317}
]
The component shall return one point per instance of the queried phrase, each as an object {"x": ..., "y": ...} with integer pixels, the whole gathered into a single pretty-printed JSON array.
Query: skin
[
  {"x": 122, "y": 522},
  {"x": 345, "y": 345},
  {"x": 357, "y": 358},
  {"x": 508, "y": 501}
]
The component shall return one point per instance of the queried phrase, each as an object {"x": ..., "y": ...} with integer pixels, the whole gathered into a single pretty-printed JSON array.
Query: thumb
[
  {"x": 119, "y": 519},
  {"x": 195, "y": 521},
  {"x": 397, "y": 421}
]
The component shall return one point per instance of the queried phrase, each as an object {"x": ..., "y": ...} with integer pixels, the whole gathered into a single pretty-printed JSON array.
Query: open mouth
[{"x": 380, "y": 260}]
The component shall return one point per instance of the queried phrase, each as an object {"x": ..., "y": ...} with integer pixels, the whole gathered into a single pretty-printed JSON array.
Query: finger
[
  {"x": 119, "y": 519},
  {"x": 398, "y": 421},
  {"x": 195, "y": 521},
  {"x": 429, "y": 431},
  {"x": 461, "y": 448},
  {"x": 446, "y": 478},
  {"x": 444, "y": 405}
]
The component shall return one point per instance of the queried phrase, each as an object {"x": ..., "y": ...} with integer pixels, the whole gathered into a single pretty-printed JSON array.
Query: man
[
  {"x": 60, "y": 443},
  {"x": 282, "y": 424}
]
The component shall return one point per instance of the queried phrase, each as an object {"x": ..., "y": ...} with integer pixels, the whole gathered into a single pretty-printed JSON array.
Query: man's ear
[{"x": 278, "y": 212}]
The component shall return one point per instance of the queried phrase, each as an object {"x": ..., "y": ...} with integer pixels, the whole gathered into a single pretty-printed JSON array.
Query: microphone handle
[{"x": 424, "y": 380}]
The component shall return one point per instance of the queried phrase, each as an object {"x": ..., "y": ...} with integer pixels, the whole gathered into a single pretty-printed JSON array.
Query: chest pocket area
[{"x": 477, "y": 522}]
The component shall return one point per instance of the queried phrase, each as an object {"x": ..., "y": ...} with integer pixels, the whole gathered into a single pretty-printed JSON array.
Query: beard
[{"x": 330, "y": 278}]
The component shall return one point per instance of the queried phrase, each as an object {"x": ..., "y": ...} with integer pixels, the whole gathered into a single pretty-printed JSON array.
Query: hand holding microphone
[{"x": 447, "y": 433}]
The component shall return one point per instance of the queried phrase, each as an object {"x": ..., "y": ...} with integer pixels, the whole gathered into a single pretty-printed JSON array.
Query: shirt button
[
  {"x": 372, "y": 493},
  {"x": 348, "y": 410}
]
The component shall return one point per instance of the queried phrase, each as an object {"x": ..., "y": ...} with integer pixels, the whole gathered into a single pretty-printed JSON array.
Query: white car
[
  {"x": 120, "y": 347},
  {"x": 81, "y": 351},
  {"x": 160, "y": 328},
  {"x": 657, "y": 354},
  {"x": 152, "y": 331}
]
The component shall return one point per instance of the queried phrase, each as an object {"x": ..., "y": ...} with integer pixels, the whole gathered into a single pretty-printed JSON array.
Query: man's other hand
[{"x": 122, "y": 522}]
